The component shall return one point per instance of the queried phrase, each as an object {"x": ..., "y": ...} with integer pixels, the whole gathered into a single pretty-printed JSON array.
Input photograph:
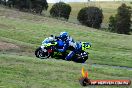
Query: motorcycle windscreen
[{"x": 46, "y": 41}]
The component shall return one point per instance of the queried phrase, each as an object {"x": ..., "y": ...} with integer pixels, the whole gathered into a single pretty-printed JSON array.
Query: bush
[
  {"x": 90, "y": 16},
  {"x": 122, "y": 21},
  {"x": 35, "y": 6},
  {"x": 38, "y": 5},
  {"x": 112, "y": 23},
  {"x": 3, "y": 2},
  {"x": 60, "y": 9},
  {"x": 0, "y": 1}
]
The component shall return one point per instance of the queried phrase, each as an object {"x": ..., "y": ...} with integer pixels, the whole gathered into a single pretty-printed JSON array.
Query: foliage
[
  {"x": 90, "y": 16},
  {"x": 60, "y": 9},
  {"x": 121, "y": 23},
  {"x": 35, "y": 6},
  {"x": 112, "y": 23}
]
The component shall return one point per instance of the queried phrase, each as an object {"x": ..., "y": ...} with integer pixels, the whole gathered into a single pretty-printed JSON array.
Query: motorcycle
[{"x": 48, "y": 49}]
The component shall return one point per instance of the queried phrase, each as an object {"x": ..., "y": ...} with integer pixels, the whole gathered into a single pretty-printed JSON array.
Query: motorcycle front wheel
[{"x": 41, "y": 54}]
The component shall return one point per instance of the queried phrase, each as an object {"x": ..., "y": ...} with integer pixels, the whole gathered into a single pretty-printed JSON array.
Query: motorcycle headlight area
[{"x": 43, "y": 48}]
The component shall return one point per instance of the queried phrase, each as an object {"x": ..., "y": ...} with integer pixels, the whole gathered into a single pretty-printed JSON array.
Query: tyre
[
  {"x": 41, "y": 54},
  {"x": 82, "y": 58}
]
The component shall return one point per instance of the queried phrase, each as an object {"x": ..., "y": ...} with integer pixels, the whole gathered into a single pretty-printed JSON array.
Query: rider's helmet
[
  {"x": 85, "y": 45},
  {"x": 63, "y": 35}
]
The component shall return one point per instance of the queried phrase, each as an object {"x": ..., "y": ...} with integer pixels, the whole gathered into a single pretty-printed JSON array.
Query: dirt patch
[
  {"x": 6, "y": 26},
  {"x": 3, "y": 26},
  {"x": 8, "y": 46}
]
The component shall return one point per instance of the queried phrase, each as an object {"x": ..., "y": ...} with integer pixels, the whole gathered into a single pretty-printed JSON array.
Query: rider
[
  {"x": 66, "y": 40},
  {"x": 65, "y": 37}
]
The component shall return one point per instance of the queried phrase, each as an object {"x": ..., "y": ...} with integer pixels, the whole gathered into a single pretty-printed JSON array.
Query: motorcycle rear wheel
[{"x": 81, "y": 59}]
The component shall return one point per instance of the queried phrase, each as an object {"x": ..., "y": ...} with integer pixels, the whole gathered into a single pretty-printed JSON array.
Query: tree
[
  {"x": 0, "y": 1},
  {"x": 39, "y": 5},
  {"x": 60, "y": 9},
  {"x": 36, "y": 6},
  {"x": 90, "y": 16},
  {"x": 112, "y": 23},
  {"x": 122, "y": 20},
  {"x": 3, "y": 2}
]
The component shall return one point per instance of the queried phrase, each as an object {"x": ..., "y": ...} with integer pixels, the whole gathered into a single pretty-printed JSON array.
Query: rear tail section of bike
[{"x": 81, "y": 58}]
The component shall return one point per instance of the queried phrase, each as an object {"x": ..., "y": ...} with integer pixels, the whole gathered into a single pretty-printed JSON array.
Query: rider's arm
[
  {"x": 64, "y": 48},
  {"x": 66, "y": 45}
]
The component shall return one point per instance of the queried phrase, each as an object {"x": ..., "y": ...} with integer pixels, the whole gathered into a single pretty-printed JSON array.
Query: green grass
[
  {"x": 20, "y": 69},
  {"x": 107, "y": 48},
  {"x": 25, "y": 72}
]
